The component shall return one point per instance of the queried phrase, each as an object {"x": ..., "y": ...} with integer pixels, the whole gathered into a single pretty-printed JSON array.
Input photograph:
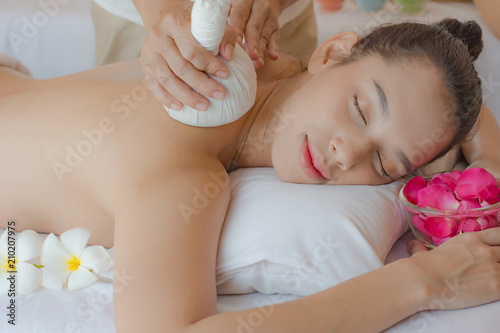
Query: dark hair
[{"x": 450, "y": 45}]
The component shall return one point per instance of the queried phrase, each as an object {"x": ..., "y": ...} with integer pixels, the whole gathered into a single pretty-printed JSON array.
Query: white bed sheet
[
  {"x": 90, "y": 310},
  {"x": 480, "y": 319},
  {"x": 65, "y": 45}
]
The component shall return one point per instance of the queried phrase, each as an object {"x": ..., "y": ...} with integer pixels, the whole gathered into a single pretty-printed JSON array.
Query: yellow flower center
[
  {"x": 73, "y": 264},
  {"x": 9, "y": 266}
]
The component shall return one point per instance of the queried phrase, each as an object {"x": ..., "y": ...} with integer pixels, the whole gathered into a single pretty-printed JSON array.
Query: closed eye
[
  {"x": 384, "y": 174},
  {"x": 356, "y": 105}
]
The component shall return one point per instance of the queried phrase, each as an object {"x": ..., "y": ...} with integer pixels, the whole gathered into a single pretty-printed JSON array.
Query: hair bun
[{"x": 469, "y": 33}]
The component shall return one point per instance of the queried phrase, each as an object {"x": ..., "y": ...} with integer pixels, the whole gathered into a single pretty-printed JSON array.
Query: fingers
[
  {"x": 238, "y": 16},
  {"x": 253, "y": 35},
  {"x": 262, "y": 32},
  {"x": 490, "y": 236},
  {"x": 226, "y": 48},
  {"x": 415, "y": 246},
  {"x": 191, "y": 52},
  {"x": 159, "y": 92},
  {"x": 178, "y": 63},
  {"x": 272, "y": 46}
]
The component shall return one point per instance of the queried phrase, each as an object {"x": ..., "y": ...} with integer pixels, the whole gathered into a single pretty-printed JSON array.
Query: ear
[{"x": 330, "y": 50}]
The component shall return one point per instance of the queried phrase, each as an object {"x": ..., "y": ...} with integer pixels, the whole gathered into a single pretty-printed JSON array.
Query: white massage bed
[{"x": 65, "y": 45}]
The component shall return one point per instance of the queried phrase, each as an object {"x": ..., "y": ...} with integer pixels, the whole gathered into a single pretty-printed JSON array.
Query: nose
[{"x": 349, "y": 152}]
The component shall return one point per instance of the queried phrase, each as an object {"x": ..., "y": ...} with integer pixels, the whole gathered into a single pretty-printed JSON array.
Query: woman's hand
[
  {"x": 482, "y": 151},
  {"x": 258, "y": 21},
  {"x": 175, "y": 63},
  {"x": 462, "y": 272}
]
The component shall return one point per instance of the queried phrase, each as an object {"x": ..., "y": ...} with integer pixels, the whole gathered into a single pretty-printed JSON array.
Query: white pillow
[{"x": 300, "y": 239}]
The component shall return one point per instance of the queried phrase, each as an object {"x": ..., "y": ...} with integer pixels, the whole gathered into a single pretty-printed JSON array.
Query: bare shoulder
[{"x": 284, "y": 67}]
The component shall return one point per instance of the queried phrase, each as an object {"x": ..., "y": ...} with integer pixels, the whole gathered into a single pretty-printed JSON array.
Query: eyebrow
[{"x": 382, "y": 99}]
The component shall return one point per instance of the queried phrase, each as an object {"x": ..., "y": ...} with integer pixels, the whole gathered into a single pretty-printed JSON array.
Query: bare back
[{"x": 70, "y": 145}]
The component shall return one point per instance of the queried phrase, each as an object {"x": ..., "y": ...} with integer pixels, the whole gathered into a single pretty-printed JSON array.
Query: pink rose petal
[
  {"x": 436, "y": 196},
  {"x": 477, "y": 183},
  {"x": 494, "y": 213},
  {"x": 486, "y": 222},
  {"x": 419, "y": 223},
  {"x": 468, "y": 204},
  {"x": 468, "y": 224},
  {"x": 474, "y": 188},
  {"x": 489, "y": 201},
  {"x": 438, "y": 240},
  {"x": 446, "y": 179},
  {"x": 413, "y": 187},
  {"x": 441, "y": 226}
]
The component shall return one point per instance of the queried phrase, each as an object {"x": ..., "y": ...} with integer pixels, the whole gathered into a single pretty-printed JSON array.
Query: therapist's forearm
[
  {"x": 484, "y": 149},
  {"x": 152, "y": 11},
  {"x": 490, "y": 12}
]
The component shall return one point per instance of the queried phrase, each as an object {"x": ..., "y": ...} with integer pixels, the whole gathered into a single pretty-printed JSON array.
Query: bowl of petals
[{"x": 442, "y": 205}]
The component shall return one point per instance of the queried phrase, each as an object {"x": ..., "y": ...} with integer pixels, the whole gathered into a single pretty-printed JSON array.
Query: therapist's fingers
[
  {"x": 238, "y": 16},
  {"x": 159, "y": 92},
  {"x": 179, "y": 85},
  {"x": 269, "y": 39},
  {"x": 226, "y": 48},
  {"x": 179, "y": 62},
  {"x": 253, "y": 34},
  {"x": 155, "y": 63},
  {"x": 263, "y": 22},
  {"x": 192, "y": 53}
]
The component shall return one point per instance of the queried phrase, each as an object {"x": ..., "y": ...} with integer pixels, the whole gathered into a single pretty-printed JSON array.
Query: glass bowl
[{"x": 419, "y": 218}]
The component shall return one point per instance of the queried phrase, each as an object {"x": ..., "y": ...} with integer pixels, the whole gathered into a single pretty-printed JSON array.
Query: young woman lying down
[{"x": 96, "y": 150}]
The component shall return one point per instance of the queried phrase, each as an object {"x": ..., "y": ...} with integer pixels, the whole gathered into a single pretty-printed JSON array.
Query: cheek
[{"x": 285, "y": 162}]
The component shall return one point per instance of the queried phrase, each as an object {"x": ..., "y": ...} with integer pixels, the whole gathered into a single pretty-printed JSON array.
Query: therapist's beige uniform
[{"x": 118, "y": 39}]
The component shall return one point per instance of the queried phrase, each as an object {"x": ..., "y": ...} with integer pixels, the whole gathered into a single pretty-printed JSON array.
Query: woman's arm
[
  {"x": 483, "y": 151},
  {"x": 166, "y": 236},
  {"x": 490, "y": 11},
  {"x": 167, "y": 228}
]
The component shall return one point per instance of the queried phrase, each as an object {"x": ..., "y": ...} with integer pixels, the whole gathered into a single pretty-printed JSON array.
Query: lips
[{"x": 310, "y": 162}]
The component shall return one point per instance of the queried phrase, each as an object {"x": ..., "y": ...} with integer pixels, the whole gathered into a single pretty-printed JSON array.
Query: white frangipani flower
[
  {"x": 69, "y": 259},
  {"x": 27, "y": 246}
]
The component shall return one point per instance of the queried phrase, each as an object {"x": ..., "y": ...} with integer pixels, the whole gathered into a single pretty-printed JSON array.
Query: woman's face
[{"x": 368, "y": 122}]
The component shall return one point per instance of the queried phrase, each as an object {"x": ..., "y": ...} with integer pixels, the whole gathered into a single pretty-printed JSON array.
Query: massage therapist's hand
[
  {"x": 174, "y": 63},
  {"x": 464, "y": 271},
  {"x": 258, "y": 22}
]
